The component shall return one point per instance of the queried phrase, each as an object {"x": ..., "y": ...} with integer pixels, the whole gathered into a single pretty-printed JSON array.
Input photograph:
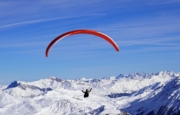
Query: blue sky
[{"x": 147, "y": 33}]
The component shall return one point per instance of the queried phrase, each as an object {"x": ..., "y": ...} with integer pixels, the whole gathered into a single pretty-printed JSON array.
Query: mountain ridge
[{"x": 134, "y": 93}]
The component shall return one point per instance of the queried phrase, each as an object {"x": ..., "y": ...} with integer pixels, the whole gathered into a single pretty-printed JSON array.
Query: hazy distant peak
[{"x": 55, "y": 78}]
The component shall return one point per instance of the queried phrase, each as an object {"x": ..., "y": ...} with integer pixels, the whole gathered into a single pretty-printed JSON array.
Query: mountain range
[{"x": 134, "y": 93}]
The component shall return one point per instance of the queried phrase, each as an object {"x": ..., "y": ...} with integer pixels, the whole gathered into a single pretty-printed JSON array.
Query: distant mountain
[
  {"x": 24, "y": 90},
  {"x": 134, "y": 93},
  {"x": 157, "y": 99}
]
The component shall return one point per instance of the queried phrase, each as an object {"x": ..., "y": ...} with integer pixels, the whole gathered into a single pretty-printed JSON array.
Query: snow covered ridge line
[
  {"x": 135, "y": 93},
  {"x": 53, "y": 82},
  {"x": 149, "y": 75},
  {"x": 138, "y": 75}
]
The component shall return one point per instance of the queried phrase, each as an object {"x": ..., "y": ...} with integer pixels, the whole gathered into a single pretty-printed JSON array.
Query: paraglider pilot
[{"x": 86, "y": 93}]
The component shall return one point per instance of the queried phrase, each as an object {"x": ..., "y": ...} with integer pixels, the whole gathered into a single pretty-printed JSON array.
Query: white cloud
[
  {"x": 140, "y": 31},
  {"x": 13, "y": 11}
]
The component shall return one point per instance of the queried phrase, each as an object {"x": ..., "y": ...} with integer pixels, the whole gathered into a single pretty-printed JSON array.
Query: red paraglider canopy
[{"x": 92, "y": 32}]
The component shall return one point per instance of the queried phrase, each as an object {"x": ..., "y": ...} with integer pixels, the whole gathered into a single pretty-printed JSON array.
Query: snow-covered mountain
[{"x": 134, "y": 93}]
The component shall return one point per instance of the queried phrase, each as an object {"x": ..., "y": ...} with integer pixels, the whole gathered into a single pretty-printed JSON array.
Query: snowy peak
[
  {"x": 157, "y": 99},
  {"x": 50, "y": 82},
  {"x": 148, "y": 75},
  {"x": 55, "y": 79},
  {"x": 135, "y": 93},
  {"x": 19, "y": 89}
]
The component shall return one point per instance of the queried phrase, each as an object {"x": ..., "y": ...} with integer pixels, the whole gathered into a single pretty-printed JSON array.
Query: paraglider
[
  {"x": 86, "y": 93},
  {"x": 82, "y": 31}
]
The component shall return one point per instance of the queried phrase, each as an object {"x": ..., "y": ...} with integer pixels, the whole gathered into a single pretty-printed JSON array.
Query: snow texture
[{"x": 135, "y": 94}]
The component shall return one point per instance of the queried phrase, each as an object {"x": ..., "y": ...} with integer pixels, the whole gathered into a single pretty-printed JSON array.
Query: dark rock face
[
  {"x": 163, "y": 110},
  {"x": 151, "y": 113},
  {"x": 55, "y": 79},
  {"x": 98, "y": 110},
  {"x": 165, "y": 102},
  {"x": 13, "y": 84},
  {"x": 116, "y": 95}
]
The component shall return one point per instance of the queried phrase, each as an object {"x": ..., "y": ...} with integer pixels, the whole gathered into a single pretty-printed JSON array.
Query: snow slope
[{"x": 135, "y": 93}]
